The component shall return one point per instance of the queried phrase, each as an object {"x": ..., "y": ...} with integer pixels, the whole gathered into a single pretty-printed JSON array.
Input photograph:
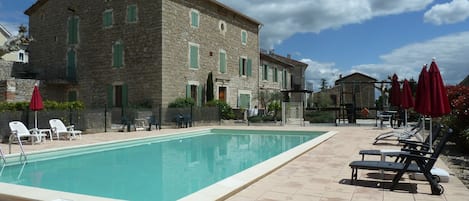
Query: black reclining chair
[
  {"x": 407, "y": 144},
  {"x": 412, "y": 162}
]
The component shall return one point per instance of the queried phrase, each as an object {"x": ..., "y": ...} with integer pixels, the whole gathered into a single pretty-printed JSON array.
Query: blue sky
[{"x": 374, "y": 37}]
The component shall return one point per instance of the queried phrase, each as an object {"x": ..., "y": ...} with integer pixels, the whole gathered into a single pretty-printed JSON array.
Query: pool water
[{"x": 157, "y": 169}]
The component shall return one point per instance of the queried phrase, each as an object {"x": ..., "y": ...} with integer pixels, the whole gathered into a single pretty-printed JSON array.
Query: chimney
[
  {"x": 271, "y": 51},
  {"x": 340, "y": 76},
  {"x": 289, "y": 56}
]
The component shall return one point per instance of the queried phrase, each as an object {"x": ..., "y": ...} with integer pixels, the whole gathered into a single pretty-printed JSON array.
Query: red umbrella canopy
[
  {"x": 407, "y": 101},
  {"x": 422, "y": 96},
  {"x": 439, "y": 96},
  {"x": 36, "y": 100},
  {"x": 395, "y": 91}
]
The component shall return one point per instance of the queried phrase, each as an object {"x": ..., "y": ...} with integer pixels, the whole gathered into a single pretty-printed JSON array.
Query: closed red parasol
[
  {"x": 395, "y": 91},
  {"x": 36, "y": 103},
  {"x": 439, "y": 96},
  {"x": 407, "y": 101},
  {"x": 422, "y": 96}
]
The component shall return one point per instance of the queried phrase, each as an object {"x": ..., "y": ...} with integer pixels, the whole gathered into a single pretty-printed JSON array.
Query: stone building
[
  {"x": 15, "y": 56},
  {"x": 143, "y": 52}
]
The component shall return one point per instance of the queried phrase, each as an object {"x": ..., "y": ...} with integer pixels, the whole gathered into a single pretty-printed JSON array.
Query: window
[
  {"x": 194, "y": 18},
  {"x": 194, "y": 91},
  {"x": 275, "y": 75},
  {"x": 222, "y": 27},
  {"x": 71, "y": 65},
  {"x": 72, "y": 30},
  {"x": 117, "y": 54},
  {"x": 222, "y": 63},
  {"x": 244, "y": 37},
  {"x": 107, "y": 18},
  {"x": 193, "y": 56},
  {"x": 21, "y": 56},
  {"x": 117, "y": 95},
  {"x": 244, "y": 101},
  {"x": 245, "y": 67},
  {"x": 132, "y": 15},
  {"x": 265, "y": 72}
]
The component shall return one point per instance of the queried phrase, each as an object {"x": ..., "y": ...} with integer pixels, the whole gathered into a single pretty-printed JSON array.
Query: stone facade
[
  {"x": 12, "y": 89},
  {"x": 156, "y": 50}
]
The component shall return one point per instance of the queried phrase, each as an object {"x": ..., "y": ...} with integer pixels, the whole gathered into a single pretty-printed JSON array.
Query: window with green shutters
[
  {"x": 244, "y": 101},
  {"x": 117, "y": 55},
  {"x": 193, "y": 56},
  {"x": 117, "y": 95},
  {"x": 222, "y": 64},
  {"x": 73, "y": 30},
  {"x": 195, "y": 18},
  {"x": 195, "y": 92},
  {"x": 107, "y": 18},
  {"x": 71, "y": 65},
  {"x": 245, "y": 67},
  {"x": 132, "y": 13},
  {"x": 244, "y": 37},
  {"x": 265, "y": 72}
]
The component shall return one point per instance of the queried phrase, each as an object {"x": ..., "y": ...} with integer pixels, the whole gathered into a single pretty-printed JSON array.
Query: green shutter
[
  {"x": 118, "y": 55},
  {"x": 132, "y": 13},
  {"x": 72, "y": 96},
  {"x": 73, "y": 30},
  {"x": 194, "y": 19},
  {"x": 107, "y": 18},
  {"x": 188, "y": 91},
  {"x": 244, "y": 101},
  {"x": 243, "y": 37},
  {"x": 194, "y": 56},
  {"x": 110, "y": 96},
  {"x": 249, "y": 68},
  {"x": 240, "y": 66},
  {"x": 125, "y": 99},
  {"x": 222, "y": 62},
  {"x": 199, "y": 96}
]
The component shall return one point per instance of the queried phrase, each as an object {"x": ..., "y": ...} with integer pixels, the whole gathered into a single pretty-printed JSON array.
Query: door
[{"x": 222, "y": 94}]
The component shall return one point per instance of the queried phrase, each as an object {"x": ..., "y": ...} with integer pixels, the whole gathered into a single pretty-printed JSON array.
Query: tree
[
  {"x": 323, "y": 84},
  {"x": 209, "y": 92}
]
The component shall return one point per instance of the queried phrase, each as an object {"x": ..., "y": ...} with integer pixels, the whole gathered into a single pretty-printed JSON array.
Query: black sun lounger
[
  {"x": 407, "y": 144},
  {"x": 421, "y": 163}
]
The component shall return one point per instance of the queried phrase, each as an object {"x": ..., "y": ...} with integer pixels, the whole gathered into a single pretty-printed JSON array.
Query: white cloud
[
  {"x": 450, "y": 52},
  {"x": 448, "y": 13},
  {"x": 283, "y": 18},
  {"x": 317, "y": 71}
]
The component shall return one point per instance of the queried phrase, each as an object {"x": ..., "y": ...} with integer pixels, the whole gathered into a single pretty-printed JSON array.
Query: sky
[{"x": 336, "y": 37}]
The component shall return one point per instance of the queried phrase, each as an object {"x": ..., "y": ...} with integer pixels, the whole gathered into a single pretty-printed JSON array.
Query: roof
[
  {"x": 284, "y": 60},
  {"x": 354, "y": 74},
  {"x": 465, "y": 82},
  {"x": 39, "y": 3},
  {"x": 4, "y": 31}
]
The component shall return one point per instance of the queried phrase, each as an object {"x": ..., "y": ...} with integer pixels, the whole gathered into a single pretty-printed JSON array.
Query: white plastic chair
[
  {"x": 19, "y": 131},
  {"x": 59, "y": 128}
]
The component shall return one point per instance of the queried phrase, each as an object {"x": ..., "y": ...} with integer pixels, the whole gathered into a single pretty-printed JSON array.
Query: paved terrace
[{"x": 321, "y": 174}]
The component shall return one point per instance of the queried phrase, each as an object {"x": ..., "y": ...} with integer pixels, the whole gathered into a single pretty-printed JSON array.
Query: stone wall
[
  {"x": 177, "y": 35},
  {"x": 11, "y": 88}
]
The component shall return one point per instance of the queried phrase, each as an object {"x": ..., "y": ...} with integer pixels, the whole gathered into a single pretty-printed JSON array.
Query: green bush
[
  {"x": 182, "y": 103},
  {"x": 225, "y": 109},
  {"x": 48, "y": 105}
]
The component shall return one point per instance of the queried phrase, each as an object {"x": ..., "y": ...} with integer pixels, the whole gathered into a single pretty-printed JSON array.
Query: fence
[{"x": 102, "y": 119}]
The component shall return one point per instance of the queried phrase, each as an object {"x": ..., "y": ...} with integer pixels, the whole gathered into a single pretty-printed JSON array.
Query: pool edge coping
[{"x": 223, "y": 189}]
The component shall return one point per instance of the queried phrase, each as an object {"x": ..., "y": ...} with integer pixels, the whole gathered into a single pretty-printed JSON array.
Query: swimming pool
[{"x": 160, "y": 168}]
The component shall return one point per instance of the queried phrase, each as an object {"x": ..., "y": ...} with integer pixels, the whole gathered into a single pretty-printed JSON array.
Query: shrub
[
  {"x": 182, "y": 103},
  {"x": 225, "y": 109},
  {"x": 458, "y": 119}
]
